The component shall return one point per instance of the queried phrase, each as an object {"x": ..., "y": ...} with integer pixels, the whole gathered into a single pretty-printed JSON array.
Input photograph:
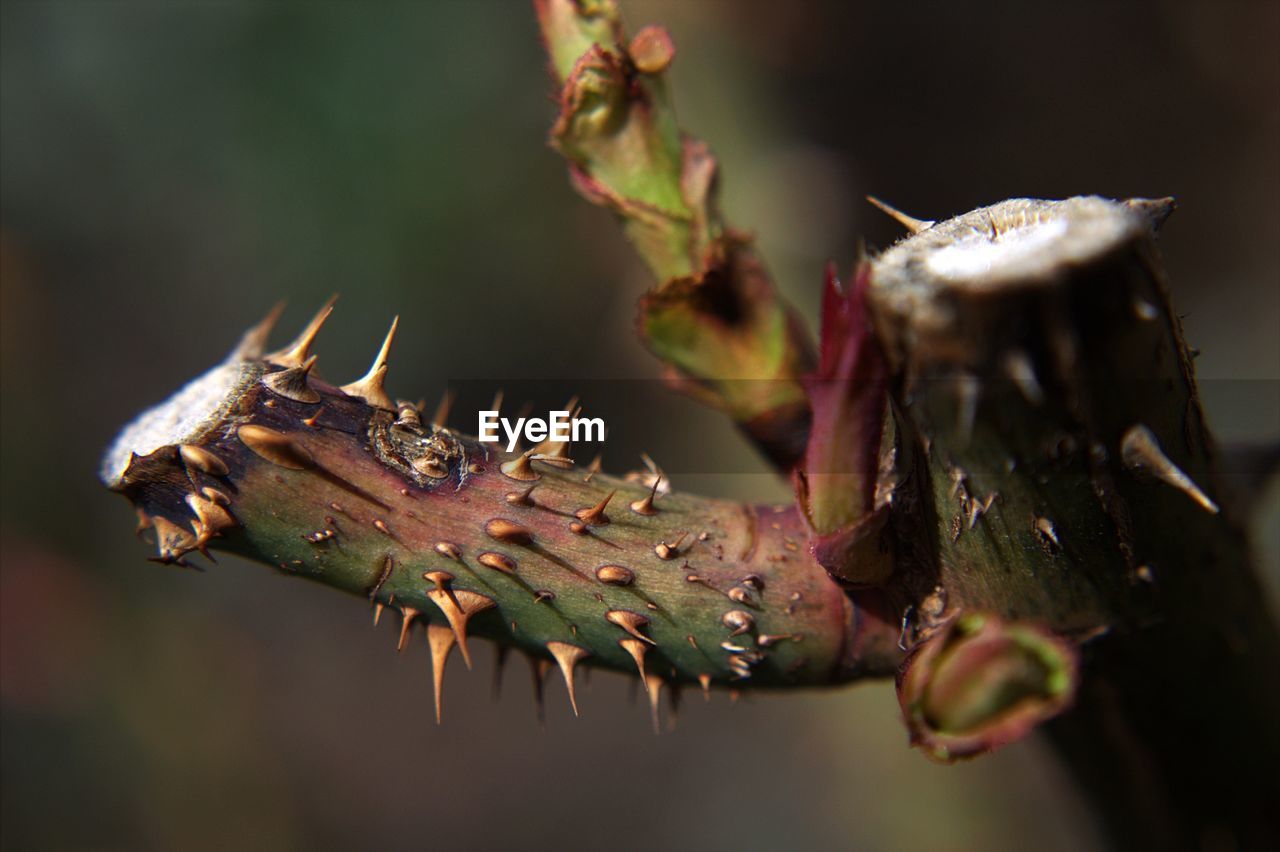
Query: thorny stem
[
  {"x": 1064, "y": 459},
  {"x": 1043, "y": 525},
  {"x": 715, "y": 316},
  {"x": 332, "y": 485}
]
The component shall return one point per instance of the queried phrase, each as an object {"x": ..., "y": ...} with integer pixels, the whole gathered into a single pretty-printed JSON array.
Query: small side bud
[{"x": 983, "y": 683}]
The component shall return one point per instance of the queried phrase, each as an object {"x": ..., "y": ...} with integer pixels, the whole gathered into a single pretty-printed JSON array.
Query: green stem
[
  {"x": 326, "y": 485},
  {"x": 715, "y": 316}
]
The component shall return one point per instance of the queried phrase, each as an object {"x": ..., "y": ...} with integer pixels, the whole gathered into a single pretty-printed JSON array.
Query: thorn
[
  {"x": 968, "y": 388},
  {"x": 1140, "y": 450},
  {"x": 1155, "y": 210},
  {"x": 458, "y": 606},
  {"x": 653, "y": 686},
  {"x": 520, "y": 468},
  {"x": 449, "y": 550},
  {"x": 595, "y": 515},
  {"x": 594, "y": 467},
  {"x": 704, "y": 680},
  {"x": 768, "y": 640},
  {"x": 645, "y": 506},
  {"x": 202, "y": 460},
  {"x": 615, "y": 575},
  {"x": 551, "y": 448},
  {"x": 499, "y": 664},
  {"x": 1017, "y": 365},
  {"x": 912, "y": 224},
  {"x": 653, "y": 475},
  {"x": 377, "y": 612},
  {"x": 295, "y": 355},
  {"x": 407, "y": 615},
  {"x": 665, "y": 550},
  {"x": 496, "y": 405},
  {"x": 292, "y": 383},
  {"x": 276, "y": 447},
  {"x": 629, "y": 621},
  {"x": 497, "y": 562},
  {"x": 369, "y": 387},
  {"x": 539, "y": 667},
  {"x": 254, "y": 341},
  {"x": 441, "y": 418},
  {"x": 651, "y": 465},
  {"x": 577, "y": 528},
  {"x": 1045, "y": 528},
  {"x": 211, "y": 519},
  {"x": 522, "y": 498},
  {"x": 441, "y": 640},
  {"x": 442, "y": 579},
  {"x": 172, "y": 541},
  {"x": 508, "y": 532},
  {"x": 637, "y": 650},
  {"x": 738, "y": 621},
  {"x": 567, "y": 656}
]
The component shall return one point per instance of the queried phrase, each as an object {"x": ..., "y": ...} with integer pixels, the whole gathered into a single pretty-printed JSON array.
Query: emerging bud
[{"x": 983, "y": 683}]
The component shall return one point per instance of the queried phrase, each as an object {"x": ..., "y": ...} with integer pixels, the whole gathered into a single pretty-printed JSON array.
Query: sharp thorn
[
  {"x": 595, "y": 516},
  {"x": 369, "y": 387},
  {"x": 407, "y": 615},
  {"x": 296, "y": 353},
  {"x": 1155, "y": 210},
  {"x": 254, "y": 341},
  {"x": 458, "y": 606},
  {"x": 520, "y": 468},
  {"x": 539, "y": 667},
  {"x": 630, "y": 622},
  {"x": 637, "y": 650},
  {"x": 968, "y": 388},
  {"x": 1017, "y": 365},
  {"x": 499, "y": 664},
  {"x": 653, "y": 687},
  {"x": 441, "y": 417},
  {"x": 911, "y": 223},
  {"x": 645, "y": 506},
  {"x": 441, "y": 640},
  {"x": 567, "y": 656},
  {"x": 1140, "y": 450}
]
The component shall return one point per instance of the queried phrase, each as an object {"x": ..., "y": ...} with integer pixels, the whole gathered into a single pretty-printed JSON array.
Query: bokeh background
[{"x": 171, "y": 169}]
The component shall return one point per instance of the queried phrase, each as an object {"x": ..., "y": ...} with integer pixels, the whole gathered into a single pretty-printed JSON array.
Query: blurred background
[{"x": 172, "y": 169}]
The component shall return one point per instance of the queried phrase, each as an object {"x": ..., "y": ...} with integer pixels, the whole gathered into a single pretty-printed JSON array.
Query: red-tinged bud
[{"x": 983, "y": 683}]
